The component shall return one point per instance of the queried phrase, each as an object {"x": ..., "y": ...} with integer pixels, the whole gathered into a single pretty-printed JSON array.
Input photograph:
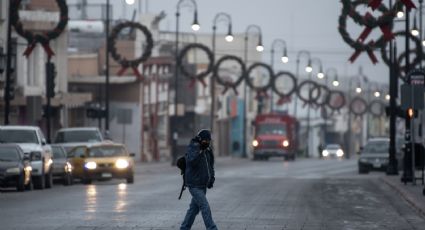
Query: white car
[
  {"x": 33, "y": 143},
  {"x": 333, "y": 150},
  {"x": 69, "y": 138}
]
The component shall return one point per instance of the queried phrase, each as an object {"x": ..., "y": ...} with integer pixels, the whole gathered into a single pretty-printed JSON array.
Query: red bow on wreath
[
  {"x": 374, "y": 4},
  {"x": 135, "y": 71}
]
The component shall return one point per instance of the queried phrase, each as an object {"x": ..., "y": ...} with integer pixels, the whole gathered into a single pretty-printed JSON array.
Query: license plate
[
  {"x": 377, "y": 165},
  {"x": 106, "y": 175}
]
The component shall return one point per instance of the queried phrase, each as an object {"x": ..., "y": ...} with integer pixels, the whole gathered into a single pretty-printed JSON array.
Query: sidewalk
[{"x": 411, "y": 193}]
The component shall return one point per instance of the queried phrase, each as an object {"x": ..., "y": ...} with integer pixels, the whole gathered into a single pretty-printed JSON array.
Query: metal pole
[
  {"x": 48, "y": 102},
  {"x": 8, "y": 68},
  {"x": 271, "y": 90},
  {"x": 308, "y": 122},
  {"x": 349, "y": 147},
  {"x": 408, "y": 168},
  {"x": 212, "y": 112},
  {"x": 245, "y": 91},
  {"x": 392, "y": 168},
  {"x": 298, "y": 77},
  {"x": 177, "y": 69},
  {"x": 107, "y": 70}
]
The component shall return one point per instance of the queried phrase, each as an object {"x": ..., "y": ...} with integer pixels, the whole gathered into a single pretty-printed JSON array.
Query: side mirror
[
  {"x": 132, "y": 154},
  {"x": 82, "y": 156},
  {"x": 43, "y": 141},
  {"x": 35, "y": 156},
  {"x": 26, "y": 158}
]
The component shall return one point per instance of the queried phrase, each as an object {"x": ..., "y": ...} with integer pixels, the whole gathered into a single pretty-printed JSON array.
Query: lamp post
[
  {"x": 284, "y": 58},
  {"x": 107, "y": 71},
  {"x": 349, "y": 121},
  {"x": 6, "y": 96},
  {"x": 195, "y": 27},
  {"x": 308, "y": 69},
  {"x": 329, "y": 71},
  {"x": 372, "y": 90},
  {"x": 259, "y": 48},
  {"x": 229, "y": 38}
]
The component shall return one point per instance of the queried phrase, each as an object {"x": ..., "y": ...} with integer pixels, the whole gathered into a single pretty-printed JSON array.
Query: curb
[{"x": 405, "y": 195}]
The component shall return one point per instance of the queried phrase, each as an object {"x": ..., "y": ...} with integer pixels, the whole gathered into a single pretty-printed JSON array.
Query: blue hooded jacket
[{"x": 199, "y": 166}]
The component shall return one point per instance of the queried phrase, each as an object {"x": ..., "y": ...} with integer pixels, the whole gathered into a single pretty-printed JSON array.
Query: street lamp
[
  {"x": 415, "y": 30},
  {"x": 229, "y": 38},
  {"x": 400, "y": 13},
  {"x": 299, "y": 54},
  {"x": 335, "y": 81},
  {"x": 308, "y": 68},
  {"x": 320, "y": 74},
  {"x": 358, "y": 88},
  {"x": 195, "y": 27},
  {"x": 284, "y": 58},
  {"x": 259, "y": 48},
  {"x": 129, "y": 2}
]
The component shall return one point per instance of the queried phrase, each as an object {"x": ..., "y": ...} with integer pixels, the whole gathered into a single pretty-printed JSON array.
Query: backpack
[{"x": 181, "y": 164}]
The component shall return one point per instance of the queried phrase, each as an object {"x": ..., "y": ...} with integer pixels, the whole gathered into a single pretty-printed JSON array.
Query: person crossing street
[{"x": 199, "y": 176}]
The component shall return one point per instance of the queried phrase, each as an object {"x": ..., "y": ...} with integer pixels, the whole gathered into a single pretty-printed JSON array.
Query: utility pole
[{"x": 7, "y": 95}]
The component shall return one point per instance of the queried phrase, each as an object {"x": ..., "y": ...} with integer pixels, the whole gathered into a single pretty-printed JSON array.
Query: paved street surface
[{"x": 305, "y": 194}]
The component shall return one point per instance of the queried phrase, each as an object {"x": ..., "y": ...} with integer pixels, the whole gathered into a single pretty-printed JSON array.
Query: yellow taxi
[{"x": 101, "y": 161}]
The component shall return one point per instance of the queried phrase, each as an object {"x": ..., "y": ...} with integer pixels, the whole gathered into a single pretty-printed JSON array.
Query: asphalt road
[{"x": 305, "y": 194}]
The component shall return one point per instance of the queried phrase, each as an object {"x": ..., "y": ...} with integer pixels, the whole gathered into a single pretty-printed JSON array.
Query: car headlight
[
  {"x": 325, "y": 153},
  {"x": 340, "y": 153},
  {"x": 90, "y": 165},
  {"x": 255, "y": 143},
  {"x": 68, "y": 167},
  {"x": 121, "y": 164},
  {"x": 285, "y": 143},
  {"x": 13, "y": 170}
]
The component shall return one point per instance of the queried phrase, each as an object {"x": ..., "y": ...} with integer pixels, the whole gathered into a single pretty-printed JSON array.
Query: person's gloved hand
[{"x": 211, "y": 183}]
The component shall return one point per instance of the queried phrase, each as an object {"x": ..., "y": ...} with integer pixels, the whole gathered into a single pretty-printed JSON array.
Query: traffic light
[
  {"x": 412, "y": 113},
  {"x": 50, "y": 79}
]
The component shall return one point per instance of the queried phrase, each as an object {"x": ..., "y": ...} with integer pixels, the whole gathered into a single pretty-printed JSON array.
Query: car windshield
[
  {"x": 377, "y": 147},
  {"x": 9, "y": 154},
  {"x": 107, "y": 151},
  {"x": 78, "y": 136},
  {"x": 277, "y": 129},
  {"x": 18, "y": 136},
  {"x": 333, "y": 147},
  {"x": 58, "y": 152}
]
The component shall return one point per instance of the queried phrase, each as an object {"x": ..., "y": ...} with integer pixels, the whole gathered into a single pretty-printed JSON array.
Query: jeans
[{"x": 199, "y": 203}]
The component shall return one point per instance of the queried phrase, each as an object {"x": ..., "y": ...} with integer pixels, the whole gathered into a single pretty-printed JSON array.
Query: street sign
[{"x": 412, "y": 96}]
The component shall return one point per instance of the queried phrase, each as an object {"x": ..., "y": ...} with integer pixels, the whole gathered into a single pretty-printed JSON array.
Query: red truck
[{"x": 275, "y": 136}]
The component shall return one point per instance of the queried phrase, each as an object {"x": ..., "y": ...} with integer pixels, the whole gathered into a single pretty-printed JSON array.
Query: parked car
[
  {"x": 72, "y": 137},
  {"x": 375, "y": 155},
  {"x": 62, "y": 168},
  {"x": 15, "y": 168},
  {"x": 332, "y": 150},
  {"x": 101, "y": 161},
  {"x": 33, "y": 143}
]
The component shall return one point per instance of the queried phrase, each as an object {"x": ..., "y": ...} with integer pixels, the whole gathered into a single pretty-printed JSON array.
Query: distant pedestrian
[{"x": 199, "y": 176}]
